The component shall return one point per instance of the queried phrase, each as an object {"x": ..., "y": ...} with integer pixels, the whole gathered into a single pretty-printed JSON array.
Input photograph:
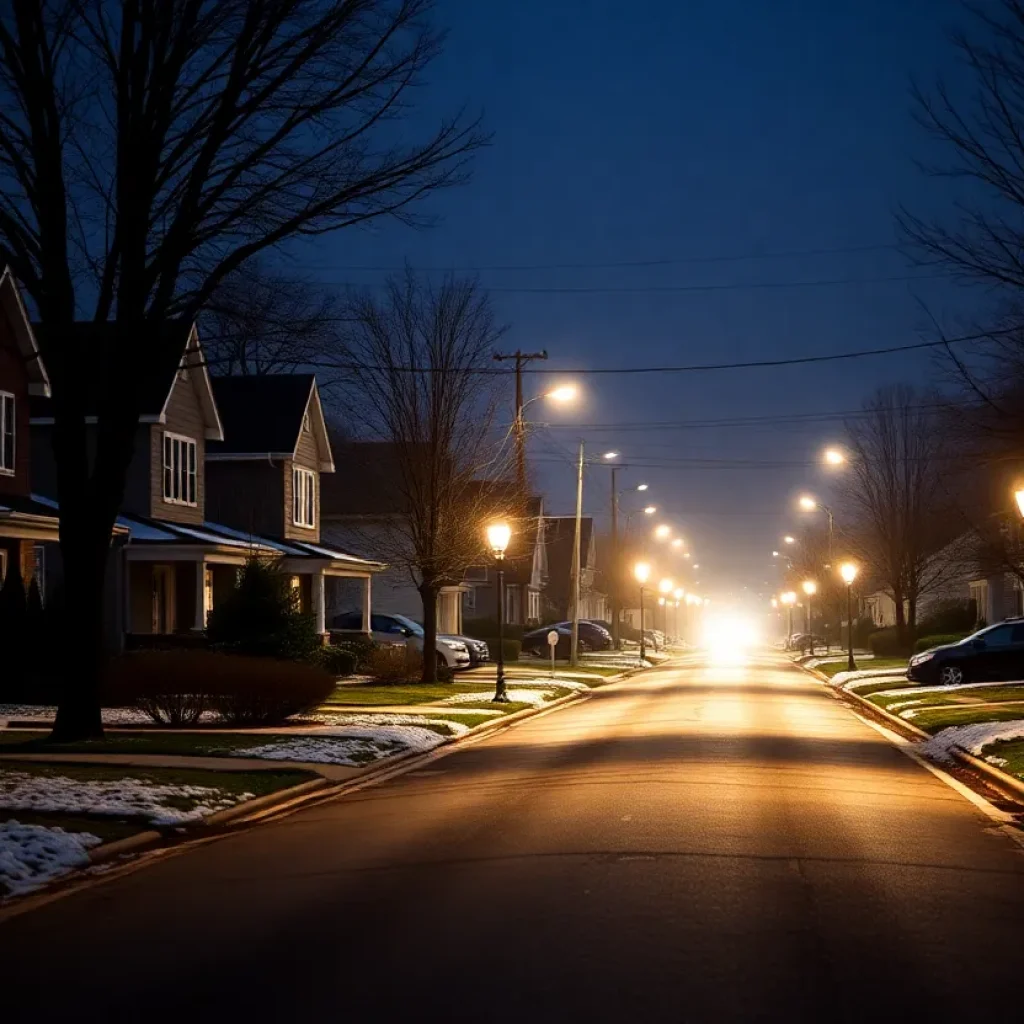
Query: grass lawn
[
  {"x": 955, "y": 698},
  {"x": 107, "y": 829},
  {"x": 368, "y": 695},
  {"x": 935, "y": 719},
  {"x": 833, "y": 668},
  {"x": 1012, "y": 752}
]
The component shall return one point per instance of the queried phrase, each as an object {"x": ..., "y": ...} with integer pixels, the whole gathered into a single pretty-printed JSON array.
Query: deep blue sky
[{"x": 667, "y": 130}]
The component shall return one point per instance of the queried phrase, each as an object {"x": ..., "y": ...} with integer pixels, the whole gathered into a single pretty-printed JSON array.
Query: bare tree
[
  {"x": 148, "y": 150},
  {"x": 261, "y": 321},
  {"x": 423, "y": 382},
  {"x": 897, "y": 500}
]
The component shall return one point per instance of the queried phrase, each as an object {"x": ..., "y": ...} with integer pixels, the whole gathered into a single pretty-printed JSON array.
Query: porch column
[
  {"x": 201, "y": 610},
  {"x": 319, "y": 609},
  {"x": 366, "y": 605}
]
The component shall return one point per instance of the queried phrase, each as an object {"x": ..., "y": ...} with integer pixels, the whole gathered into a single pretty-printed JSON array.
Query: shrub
[
  {"x": 511, "y": 648},
  {"x": 484, "y": 629},
  {"x": 360, "y": 647},
  {"x": 886, "y": 643},
  {"x": 395, "y": 664},
  {"x": 938, "y": 640},
  {"x": 949, "y": 616},
  {"x": 337, "y": 660},
  {"x": 259, "y": 618},
  {"x": 176, "y": 687}
]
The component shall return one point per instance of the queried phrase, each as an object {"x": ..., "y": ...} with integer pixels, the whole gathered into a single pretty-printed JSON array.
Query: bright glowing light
[
  {"x": 1019, "y": 495},
  {"x": 789, "y": 540},
  {"x": 686, "y": 554},
  {"x": 848, "y": 571},
  {"x": 661, "y": 532},
  {"x": 563, "y": 393},
  {"x": 678, "y": 542},
  {"x": 808, "y": 503},
  {"x": 498, "y": 536},
  {"x": 650, "y": 510},
  {"x": 775, "y": 603},
  {"x": 661, "y": 601},
  {"x": 788, "y": 598},
  {"x": 728, "y": 637},
  {"x": 642, "y": 571},
  {"x": 834, "y": 457},
  {"x": 665, "y": 585},
  {"x": 810, "y": 587},
  {"x": 610, "y": 455},
  {"x": 678, "y": 594},
  {"x": 696, "y": 566},
  {"x": 641, "y": 487},
  {"x": 775, "y": 554}
]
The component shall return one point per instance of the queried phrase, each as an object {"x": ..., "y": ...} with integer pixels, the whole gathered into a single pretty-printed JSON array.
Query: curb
[{"x": 133, "y": 844}]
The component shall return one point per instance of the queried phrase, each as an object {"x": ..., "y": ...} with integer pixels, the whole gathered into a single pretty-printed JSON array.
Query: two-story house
[
  {"x": 560, "y": 538},
  {"x": 263, "y": 480},
  {"x": 27, "y": 525}
]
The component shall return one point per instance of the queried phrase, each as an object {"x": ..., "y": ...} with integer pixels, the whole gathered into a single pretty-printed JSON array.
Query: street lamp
[
  {"x": 788, "y": 539},
  {"x": 642, "y": 572},
  {"x": 789, "y": 599},
  {"x": 678, "y": 542},
  {"x": 833, "y": 457},
  {"x": 664, "y": 588},
  {"x": 661, "y": 532},
  {"x": 849, "y": 573},
  {"x": 810, "y": 588},
  {"x": 563, "y": 393},
  {"x": 641, "y": 487},
  {"x": 498, "y": 536},
  {"x": 809, "y": 504},
  {"x": 608, "y": 456}
]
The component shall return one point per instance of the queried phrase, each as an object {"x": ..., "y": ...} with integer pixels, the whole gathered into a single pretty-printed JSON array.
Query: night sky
[{"x": 690, "y": 135}]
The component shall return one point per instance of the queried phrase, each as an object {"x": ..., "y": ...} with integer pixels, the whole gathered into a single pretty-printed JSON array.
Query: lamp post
[
  {"x": 664, "y": 588},
  {"x": 809, "y": 504},
  {"x": 789, "y": 599},
  {"x": 498, "y": 536},
  {"x": 642, "y": 572},
  {"x": 849, "y": 573},
  {"x": 810, "y": 588}
]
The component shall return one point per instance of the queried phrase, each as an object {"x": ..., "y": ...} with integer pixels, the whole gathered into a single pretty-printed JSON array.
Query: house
[
  {"x": 364, "y": 510},
  {"x": 27, "y": 526},
  {"x": 264, "y": 480},
  {"x": 560, "y": 539}
]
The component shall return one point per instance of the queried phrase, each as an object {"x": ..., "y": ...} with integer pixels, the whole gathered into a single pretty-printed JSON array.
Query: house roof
[
  {"x": 178, "y": 349},
  {"x": 365, "y": 483},
  {"x": 263, "y": 415},
  {"x": 14, "y": 308},
  {"x": 15, "y": 505}
]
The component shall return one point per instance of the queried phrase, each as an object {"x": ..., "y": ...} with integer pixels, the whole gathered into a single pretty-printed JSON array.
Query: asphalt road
[{"x": 708, "y": 843}]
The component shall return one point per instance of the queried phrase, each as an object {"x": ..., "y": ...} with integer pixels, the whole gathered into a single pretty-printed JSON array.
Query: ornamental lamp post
[
  {"x": 642, "y": 572},
  {"x": 849, "y": 573},
  {"x": 810, "y": 588},
  {"x": 498, "y": 536}
]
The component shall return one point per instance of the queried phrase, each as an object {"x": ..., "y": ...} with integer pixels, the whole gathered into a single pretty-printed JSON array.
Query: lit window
[
  {"x": 180, "y": 476},
  {"x": 303, "y": 497},
  {"x": 6, "y": 433}
]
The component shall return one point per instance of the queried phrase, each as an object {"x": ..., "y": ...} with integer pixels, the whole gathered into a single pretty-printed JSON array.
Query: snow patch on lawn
[
  {"x": 31, "y": 855},
  {"x": 843, "y": 679},
  {"x": 940, "y": 689},
  {"x": 519, "y": 695},
  {"x": 972, "y": 738},
  {"x": 159, "y": 803},
  {"x": 111, "y": 716}
]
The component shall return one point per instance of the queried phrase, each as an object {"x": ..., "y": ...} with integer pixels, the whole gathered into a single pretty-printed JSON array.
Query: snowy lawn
[
  {"x": 534, "y": 696},
  {"x": 32, "y": 855},
  {"x": 111, "y": 716},
  {"x": 839, "y": 676},
  {"x": 1006, "y": 754},
  {"x": 973, "y": 738},
  {"x": 158, "y": 796}
]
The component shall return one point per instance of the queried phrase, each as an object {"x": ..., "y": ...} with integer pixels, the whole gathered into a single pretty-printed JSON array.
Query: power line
[{"x": 621, "y": 264}]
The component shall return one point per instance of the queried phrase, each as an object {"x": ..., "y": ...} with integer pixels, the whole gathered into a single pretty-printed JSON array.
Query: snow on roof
[{"x": 144, "y": 531}]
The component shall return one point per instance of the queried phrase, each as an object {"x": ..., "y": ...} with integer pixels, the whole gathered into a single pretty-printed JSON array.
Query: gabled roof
[
  {"x": 179, "y": 349},
  {"x": 14, "y": 308},
  {"x": 263, "y": 415}
]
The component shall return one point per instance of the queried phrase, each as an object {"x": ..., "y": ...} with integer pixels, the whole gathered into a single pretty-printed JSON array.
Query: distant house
[
  {"x": 28, "y": 526},
  {"x": 560, "y": 536}
]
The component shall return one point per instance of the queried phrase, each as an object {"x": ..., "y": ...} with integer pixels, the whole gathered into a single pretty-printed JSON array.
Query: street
[{"x": 704, "y": 842}]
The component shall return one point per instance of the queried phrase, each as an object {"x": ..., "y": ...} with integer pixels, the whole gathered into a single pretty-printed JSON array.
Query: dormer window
[
  {"x": 180, "y": 474},
  {"x": 6, "y": 433},
  {"x": 303, "y": 497}
]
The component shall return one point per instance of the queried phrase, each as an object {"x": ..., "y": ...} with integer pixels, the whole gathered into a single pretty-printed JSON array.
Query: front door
[{"x": 163, "y": 599}]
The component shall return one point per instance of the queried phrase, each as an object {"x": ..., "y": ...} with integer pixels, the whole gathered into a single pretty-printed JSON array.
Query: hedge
[
  {"x": 886, "y": 643},
  {"x": 510, "y": 648},
  {"x": 926, "y": 643},
  {"x": 485, "y": 629}
]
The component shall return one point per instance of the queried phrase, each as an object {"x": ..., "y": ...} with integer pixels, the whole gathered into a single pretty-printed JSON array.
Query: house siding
[
  {"x": 13, "y": 378},
  {"x": 184, "y": 415},
  {"x": 307, "y": 456},
  {"x": 246, "y": 495}
]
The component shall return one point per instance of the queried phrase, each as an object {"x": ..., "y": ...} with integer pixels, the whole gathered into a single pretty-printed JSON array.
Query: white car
[{"x": 390, "y": 629}]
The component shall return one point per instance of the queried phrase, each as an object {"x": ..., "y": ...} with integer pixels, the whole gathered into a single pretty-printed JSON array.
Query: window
[
  {"x": 533, "y": 606},
  {"x": 1000, "y": 636},
  {"x": 6, "y": 433},
  {"x": 303, "y": 497},
  {"x": 180, "y": 477},
  {"x": 469, "y": 600}
]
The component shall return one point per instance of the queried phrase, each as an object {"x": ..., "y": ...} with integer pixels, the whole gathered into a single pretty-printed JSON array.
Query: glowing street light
[
  {"x": 696, "y": 566},
  {"x": 661, "y": 532},
  {"x": 641, "y": 487},
  {"x": 775, "y": 554},
  {"x": 650, "y": 510},
  {"x": 610, "y": 455},
  {"x": 788, "y": 539},
  {"x": 679, "y": 593},
  {"x": 563, "y": 393},
  {"x": 848, "y": 570},
  {"x": 678, "y": 542},
  {"x": 807, "y": 503},
  {"x": 686, "y": 554},
  {"x": 833, "y": 457},
  {"x": 498, "y": 536},
  {"x": 665, "y": 585}
]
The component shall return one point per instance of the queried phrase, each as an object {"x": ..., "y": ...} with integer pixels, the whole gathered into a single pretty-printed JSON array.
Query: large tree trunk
[
  {"x": 428, "y": 594},
  {"x": 901, "y": 616}
]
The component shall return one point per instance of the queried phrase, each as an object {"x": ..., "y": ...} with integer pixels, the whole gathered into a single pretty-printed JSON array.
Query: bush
[
  {"x": 484, "y": 629},
  {"x": 259, "y": 618},
  {"x": 339, "y": 661},
  {"x": 360, "y": 647},
  {"x": 176, "y": 687},
  {"x": 938, "y": 640},
  {"x": 949, "y": 616},
  {"x": 886, "y": 643},
  {"x": 510, "y": 648},
  {"x": 395, "y": 664}
]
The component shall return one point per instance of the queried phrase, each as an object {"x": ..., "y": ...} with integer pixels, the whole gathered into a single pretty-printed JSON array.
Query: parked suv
[
  {"x": 390, "y": 629},
  {"x": 993, "y": 653}
]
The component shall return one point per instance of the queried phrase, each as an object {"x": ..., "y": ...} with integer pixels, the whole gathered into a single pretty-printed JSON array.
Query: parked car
[
  {"x": 536, "y": 642},
  {"x": 479, "y": 652},
  {"x": 805, "y": 641},
  {"x": 389, "y": 629},
  {"x": 994, "y": 653},
  {"x": 593, "y": 634}
]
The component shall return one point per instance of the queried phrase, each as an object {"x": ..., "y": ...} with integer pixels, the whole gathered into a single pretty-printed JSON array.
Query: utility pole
[
  {"x": 616, "y": 569},
  {"x": 519, "y": 426},
  {"x": 576, "y": 565}
]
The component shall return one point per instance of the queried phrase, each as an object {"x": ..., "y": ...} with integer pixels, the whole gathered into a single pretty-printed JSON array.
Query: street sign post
[{"x": 553, "y": 643}]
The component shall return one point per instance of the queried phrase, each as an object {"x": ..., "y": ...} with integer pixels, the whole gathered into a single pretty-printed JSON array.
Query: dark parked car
[
  {"x": 536, "y": 642},
  {"x": 993, "y": 653}
]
